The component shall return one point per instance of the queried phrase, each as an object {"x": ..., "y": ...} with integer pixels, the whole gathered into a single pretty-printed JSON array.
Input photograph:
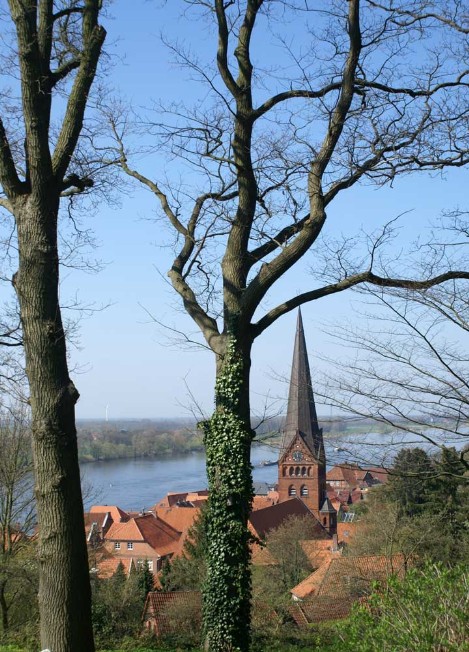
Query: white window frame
[
  {"x": 117, "y": 545},
  {"x": 130, "y": 545}
]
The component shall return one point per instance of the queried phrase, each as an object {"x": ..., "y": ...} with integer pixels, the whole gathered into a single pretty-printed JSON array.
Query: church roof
[
  {"x": 301, "y": 412},
  {"x": 270, "y": 518}
]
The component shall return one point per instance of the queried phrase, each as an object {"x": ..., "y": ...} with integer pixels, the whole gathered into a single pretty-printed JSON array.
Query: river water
[
  {"x": 137, "y": 483},
  {"x": 134, "y": 484}
]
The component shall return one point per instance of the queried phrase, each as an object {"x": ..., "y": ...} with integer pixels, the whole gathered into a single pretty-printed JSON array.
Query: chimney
[{"x": 335, "y": 543}]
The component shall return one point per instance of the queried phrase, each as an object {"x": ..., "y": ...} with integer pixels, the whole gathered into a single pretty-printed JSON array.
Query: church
[{"x": 302, "y": 461}]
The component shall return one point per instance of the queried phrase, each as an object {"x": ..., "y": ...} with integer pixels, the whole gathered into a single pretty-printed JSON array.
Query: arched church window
[
  {"x": 309, "y": 471},
  {"x": 304, "y": 490},
  {"x": 291, "y": 490},
  {"x": 297, "y": 470},
  {"x": 303, "y": 471},
  {"x": 291, "y": 471}
]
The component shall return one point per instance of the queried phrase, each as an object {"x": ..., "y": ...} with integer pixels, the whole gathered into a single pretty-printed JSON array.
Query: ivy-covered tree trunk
[{"x": 228, "y": 436}]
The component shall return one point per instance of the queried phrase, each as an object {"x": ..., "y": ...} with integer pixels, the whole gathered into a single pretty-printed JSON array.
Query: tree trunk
[
  {"x": 4, "y": 607},
  {"x": 64, "y": 585},
  {"x": 228, "y": 436}
]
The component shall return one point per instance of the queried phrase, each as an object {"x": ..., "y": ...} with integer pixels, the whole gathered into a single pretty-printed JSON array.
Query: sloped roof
[
  {"x": 260, "y": 556},
  {"x": 108, "y": 566},
  {"x": 319, "y": 610},
  {"x": 171, "y": 499},
  {"x": 301, "y": 411},
  {"x": 150, "y": 529},
  {"x": 180, "y": 519},
  {"x": 346, "y": 531},
  {"x": 328, "y": 508},
  {"x": 311, "y": 584},
  {"x": 345, "y": 473},
  {"x": 259, "y": 502},
  {"x": 356, "y": 495},
  {"x": 269, "y": 518},
  {"x": 94, "y": 517},
  {"x": 343, "y": 496},
  {"x": 261, "y": 488},
  {"x": 348, "y": 577},
  {"x": 379, "y": 473},
  {"x": 117, "y": 514},
  {"x": 318, "y": 551},
  {"x": 161, "y": 609}
]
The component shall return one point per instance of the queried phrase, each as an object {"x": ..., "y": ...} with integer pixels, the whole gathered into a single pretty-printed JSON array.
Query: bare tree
[
  {"x": 408, "y": 368},
  {"x": 268, "y": 151},
  {"x": 53, "y": 51},
  {"x": 17, "y": 510}
]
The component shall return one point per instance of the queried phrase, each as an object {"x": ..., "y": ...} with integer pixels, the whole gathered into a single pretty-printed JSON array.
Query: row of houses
[{"x": 158, "y": 534}]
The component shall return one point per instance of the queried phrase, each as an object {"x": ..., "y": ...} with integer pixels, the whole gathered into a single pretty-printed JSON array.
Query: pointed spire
[
  {"x": 301, "y": 411},
  {"x": 328, "y": 508}
]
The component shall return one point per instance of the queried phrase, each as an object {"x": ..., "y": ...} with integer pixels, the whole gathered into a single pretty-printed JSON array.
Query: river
[
  {"x": 134, "y": 484},
  {"x": 137, "y": 483}
]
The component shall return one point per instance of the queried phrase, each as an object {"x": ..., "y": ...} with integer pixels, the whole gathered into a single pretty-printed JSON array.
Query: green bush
[{"x": 427, "y": 611}]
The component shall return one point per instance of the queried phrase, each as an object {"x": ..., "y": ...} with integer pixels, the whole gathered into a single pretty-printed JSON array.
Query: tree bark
[
  {"x": 228, "y": 437},
  {"x": 4, "y": 608},
  {"x": 64, "y": 589}
]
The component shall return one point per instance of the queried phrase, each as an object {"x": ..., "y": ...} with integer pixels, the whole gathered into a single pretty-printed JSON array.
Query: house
[
  {"x": 170, "y": 612},
  {"x": 350, "y": 476},
  {"x": 107, "y": 566},
  {"x": 330, "y": 591},
  {"x": 182, "y": 499},
  {"x": 144, "y": 537},
  {"x": 166, "y": 612}
]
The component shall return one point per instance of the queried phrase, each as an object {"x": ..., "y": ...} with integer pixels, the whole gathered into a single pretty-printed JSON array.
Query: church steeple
[
  {"x": 301, "y": 411},
  {"x": 302, "y": 463}
]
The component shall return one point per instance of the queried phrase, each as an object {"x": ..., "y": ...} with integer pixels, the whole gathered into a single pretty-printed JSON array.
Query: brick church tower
[{"x": 302, "y": 462}]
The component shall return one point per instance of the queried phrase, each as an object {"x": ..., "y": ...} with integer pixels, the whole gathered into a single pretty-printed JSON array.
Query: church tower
[{"x": 302, "y": 462}]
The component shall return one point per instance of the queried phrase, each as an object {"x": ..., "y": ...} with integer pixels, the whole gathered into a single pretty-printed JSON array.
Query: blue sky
[
  {"x": 125, "y": 360},
  {"x": 130, "y": 363}
]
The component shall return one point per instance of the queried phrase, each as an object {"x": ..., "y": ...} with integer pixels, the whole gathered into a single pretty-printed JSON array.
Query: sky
[{"x": 125, "y": 360}]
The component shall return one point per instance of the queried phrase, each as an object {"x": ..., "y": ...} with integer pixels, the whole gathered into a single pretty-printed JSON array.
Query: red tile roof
[
  {"x": 319, "y": 610},
  {"x": 94, "y": 517},
  {"x": 379, "y": 473},
  {"x": 180, "y": 519},
  {"x": 162, "y": 610},
  {"x": 346, "y": 531},
  {"x": 346, "y": 578},
  {"x": 269, "y": 518},
  {"x": 259, "y": 502},
  {"x": 117, "y": 514},
  {"x": 172, "y": 499},
  {"x": 152, "y": 530},
  {"x": 107, "y": 567},
  {"x": 318, "y": 551},
  {"x": 348, "y": 473}
]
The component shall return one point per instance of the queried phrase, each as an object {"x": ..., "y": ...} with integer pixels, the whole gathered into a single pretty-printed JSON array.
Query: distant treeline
[{"x": 108, "y": 441}]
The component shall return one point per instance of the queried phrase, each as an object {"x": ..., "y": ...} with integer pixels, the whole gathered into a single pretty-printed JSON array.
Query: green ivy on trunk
[{"x": 227, "y": 590}]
